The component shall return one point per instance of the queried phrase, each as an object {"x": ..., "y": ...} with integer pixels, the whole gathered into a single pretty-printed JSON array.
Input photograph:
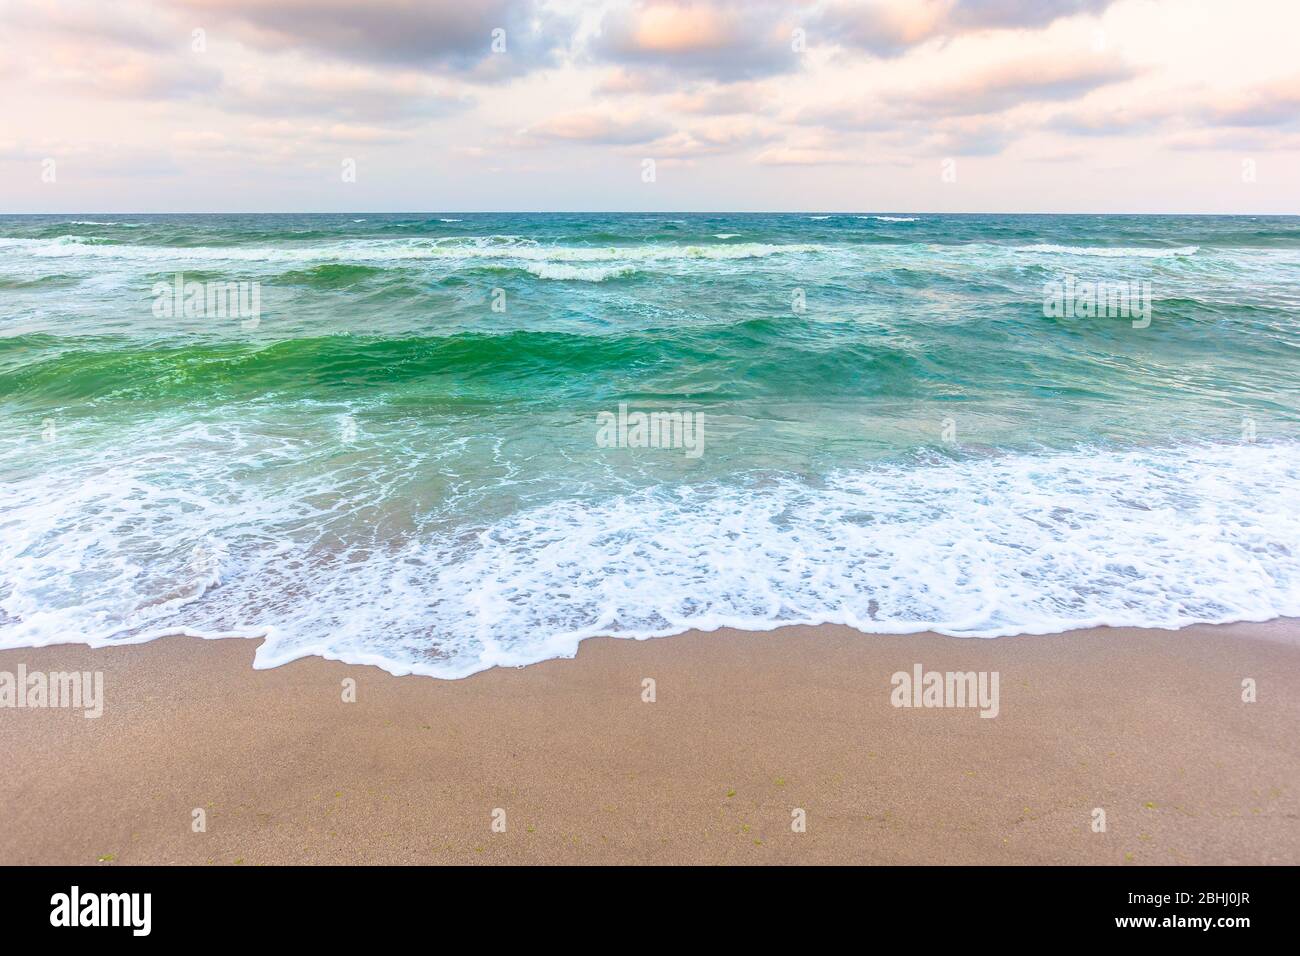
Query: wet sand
[{"x": 745, "y": 730}]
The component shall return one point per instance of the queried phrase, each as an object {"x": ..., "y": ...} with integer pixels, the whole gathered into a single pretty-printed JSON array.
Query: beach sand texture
[{"x": 745, "y": 729}]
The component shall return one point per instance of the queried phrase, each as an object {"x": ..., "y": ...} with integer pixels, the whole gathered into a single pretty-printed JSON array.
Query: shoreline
[{"x": 746, "y": 728}]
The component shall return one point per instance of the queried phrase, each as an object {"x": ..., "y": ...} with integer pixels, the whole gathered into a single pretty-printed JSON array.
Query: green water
[{"x": 396, "y": 458}]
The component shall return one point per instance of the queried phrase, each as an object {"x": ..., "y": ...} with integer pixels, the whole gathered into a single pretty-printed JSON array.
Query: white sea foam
[
  {"x": 572, "y": 273},
  {"x": 384, "y": 250},
  {"x": 1111, "y": 252},
  {"x": 977, "y": 547},
  {"x": 892, "y": 218}
]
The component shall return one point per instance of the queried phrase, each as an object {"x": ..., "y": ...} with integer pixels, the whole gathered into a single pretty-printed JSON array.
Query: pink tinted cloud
[{"x": 716, "y": 39}]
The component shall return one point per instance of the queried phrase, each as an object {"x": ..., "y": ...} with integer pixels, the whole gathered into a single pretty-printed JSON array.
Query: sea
[{"x": 443, "y": 442}]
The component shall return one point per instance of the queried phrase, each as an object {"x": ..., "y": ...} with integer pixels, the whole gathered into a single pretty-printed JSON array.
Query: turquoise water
[{"x": 396, "y": 460}]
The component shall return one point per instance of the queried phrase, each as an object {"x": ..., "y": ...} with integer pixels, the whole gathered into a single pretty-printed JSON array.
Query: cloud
[
  {"x": 597, "y": 128},
  {"x": 968, "y": 114},
  {"x": 1012, "y": 83},
  {"x": 705, "y": 98},
  {"x": 970, "y": 137},
  {"x": 298, "y": 133},
  {"x": 1220, "y": 117},
  {"x": 454, "y": 35},
  {"x": 719, "y": 100},
  {"x": 1115, "y": 121},
  {"x": 1269, "y": 104},
  {"x": 114, "y": 72},
  {"x": 723, "y": 135},
  {"x": 719, "y": 40},
  {"x": 619, "y": 82},
  {"x": 350, "y": 94},
  {"x": 713, "y": 84},
  {"x": 127, "y": 51},
  {"x": 891, "y": 27},
  {"x": 121, "y": 23},
  {"x": 819, "y": 148}
]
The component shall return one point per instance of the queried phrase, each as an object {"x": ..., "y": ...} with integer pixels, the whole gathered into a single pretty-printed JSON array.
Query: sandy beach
[{"x": 745, "y": 729}]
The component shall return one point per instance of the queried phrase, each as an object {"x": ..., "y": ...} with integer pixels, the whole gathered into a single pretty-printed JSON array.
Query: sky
[{"x": 1177, "y": 106}]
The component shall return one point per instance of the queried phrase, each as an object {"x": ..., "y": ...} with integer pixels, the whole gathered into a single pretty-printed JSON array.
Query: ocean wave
[
  {"x": 385, "y": 250},
  {"x": 983, "y": 547},
  {"x": 68, "y": 244},
  {"x": 891, "y": 218},
  {"x": 231, "y": 371},
  {"x": 37, "y": 282},
  {"x": 331, "y": 275},
  {"x": 571, "y": 273},
  {"x": 1111, "y": 252}
]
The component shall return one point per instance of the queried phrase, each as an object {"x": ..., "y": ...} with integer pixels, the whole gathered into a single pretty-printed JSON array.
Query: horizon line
[{"x": 631, "y": 212}]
